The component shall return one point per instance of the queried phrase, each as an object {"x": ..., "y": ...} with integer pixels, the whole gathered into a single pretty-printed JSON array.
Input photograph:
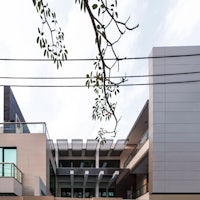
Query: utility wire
[
  {"x": 94, "y": 59},
  {"x": 77, "y": 77},
  {"x": 122, "y": 85}
]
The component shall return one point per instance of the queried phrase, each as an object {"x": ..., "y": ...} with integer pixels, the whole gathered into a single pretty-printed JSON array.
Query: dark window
[
  {"x": 52, "y": 179},
  {"x": 89, "y": 192},
  {"x": 109, "y": 163},
  {"x": 65, "y": 192},
  {"x": 78, "y": 192},
  {"x": 77, "y": 163},
  {"x": 106, "y": 193}
]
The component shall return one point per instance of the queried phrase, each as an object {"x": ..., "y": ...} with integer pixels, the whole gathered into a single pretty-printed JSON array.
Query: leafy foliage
[
  {"x": 103, "y": 15},
  {"x": 100, "y": 78},
  {"x": 53, "y": 49}
]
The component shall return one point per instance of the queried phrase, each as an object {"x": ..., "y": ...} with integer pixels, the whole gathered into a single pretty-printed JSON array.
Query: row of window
[{"x": 88, "y": 193}]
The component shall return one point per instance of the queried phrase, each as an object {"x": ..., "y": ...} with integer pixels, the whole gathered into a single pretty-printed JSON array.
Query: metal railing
[
  {"x": 23, "y": 127},
  {"x": 10, "y": 170},
  {"x": 134, "y": 152}
]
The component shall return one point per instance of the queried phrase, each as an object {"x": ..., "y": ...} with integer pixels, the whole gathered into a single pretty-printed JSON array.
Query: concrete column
[
  {"x": 100, "y": 176},
  {"x": 83, "y": 192},
  {"x": 97, "y": 156},
  {"x": 85, "y": 182},
  {"x": 72, "y": 182},
  {"x": 97, "y": 190},
  {"x": 56, "y": 155}
]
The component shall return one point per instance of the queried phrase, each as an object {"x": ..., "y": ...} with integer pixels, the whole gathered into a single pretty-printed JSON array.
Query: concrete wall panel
[{"x": 175, "y": 123}]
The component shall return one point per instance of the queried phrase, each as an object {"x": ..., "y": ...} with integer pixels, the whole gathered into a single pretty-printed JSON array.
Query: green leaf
[
  {"x": 81, "y": 5},
  {"x": 38, "y": 39},
  {"x": 34, "y": 2},
  {"x": 40, "y": 43},
  {"x": 39, "y": 5},
  {"x": 99, "y": 41},
  {"x": 94, "y": 6},
  {"x": 99, "y": 10},
  {"x": 98, "y": 26},
  {"x": 104, "y": 34}
]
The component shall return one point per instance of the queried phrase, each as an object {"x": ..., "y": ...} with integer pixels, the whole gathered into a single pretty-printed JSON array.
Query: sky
[{"x": 68, "y": 111}]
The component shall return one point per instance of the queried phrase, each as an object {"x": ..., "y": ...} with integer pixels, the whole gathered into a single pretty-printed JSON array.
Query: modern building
[
  {"x": 159, "y": 159},
  {"x": 174, "y": 124}
]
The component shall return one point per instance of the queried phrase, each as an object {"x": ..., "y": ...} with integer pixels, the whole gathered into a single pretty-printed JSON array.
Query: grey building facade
[{"x": 174, "y": 122}]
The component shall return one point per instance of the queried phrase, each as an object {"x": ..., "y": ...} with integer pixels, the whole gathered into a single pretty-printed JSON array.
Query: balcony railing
[
  {"x": 23, "y": 127},
  {"x": 10, "y": 170},
  {"x": 139, "y": 146}
]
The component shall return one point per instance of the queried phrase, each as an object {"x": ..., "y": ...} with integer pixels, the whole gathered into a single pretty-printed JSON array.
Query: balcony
[
  {"x": 139, "y": 146},
  {"x": 10, "y": 179}
]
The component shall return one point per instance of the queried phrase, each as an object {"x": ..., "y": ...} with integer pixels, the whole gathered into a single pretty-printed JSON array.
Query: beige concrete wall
[
  {"x": 53, "y": 198},
  {"x": 144, "y": 197},
  {"x": 175, "y": 197},
  {"x": 27, "y": 198},
  {"x": 31, "y": 157},
  {"x": 10, "y": 185}
]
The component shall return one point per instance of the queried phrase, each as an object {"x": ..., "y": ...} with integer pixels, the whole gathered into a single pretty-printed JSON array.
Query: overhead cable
[
  {"x": 94, "y": 59},
  {"x": 79, "y": 77},
  {"x": 112, "y": 85}
]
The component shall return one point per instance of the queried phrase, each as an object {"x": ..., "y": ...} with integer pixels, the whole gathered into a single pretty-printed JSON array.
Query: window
[
  {"x": 65, "y": 192},
  {"x": 106, "y": 193},
  {"x": 109, "y": 163},
  {"x": 7, "y": 157},
  {"x": 77, "y": 163},
  {"x": 52, "y": 179},
  {"x": 1, "y": 160},
  {"x": 89, "y": 192}
]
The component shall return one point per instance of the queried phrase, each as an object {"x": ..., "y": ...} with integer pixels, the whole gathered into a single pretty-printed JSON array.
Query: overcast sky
[{"x": 67, "y": 111}]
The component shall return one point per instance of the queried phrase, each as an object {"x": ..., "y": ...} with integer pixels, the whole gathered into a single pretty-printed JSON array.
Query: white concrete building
[{"x": 174, "y": 123}]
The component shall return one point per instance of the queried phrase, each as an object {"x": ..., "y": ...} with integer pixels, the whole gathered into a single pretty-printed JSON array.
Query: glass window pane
[
  {"x": 9, "y": 157},
  {"x": 1, "y": 160},
  {"x": 1, "y": 155}
]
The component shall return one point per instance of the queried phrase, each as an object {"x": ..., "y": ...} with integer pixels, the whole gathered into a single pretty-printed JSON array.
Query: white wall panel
[{"x": 174, "y": 118}]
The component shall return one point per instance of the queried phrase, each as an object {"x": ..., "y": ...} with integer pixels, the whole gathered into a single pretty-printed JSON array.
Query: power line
[
  {"x": 94, "y": 59},
  {"x": 122, "y": 85},
  {"x": 77, "y": 77}
]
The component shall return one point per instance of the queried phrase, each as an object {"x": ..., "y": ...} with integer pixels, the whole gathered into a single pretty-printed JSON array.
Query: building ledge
[
  {"x": 140, "y": 154},
  {"x": 10, "y": 185}
]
